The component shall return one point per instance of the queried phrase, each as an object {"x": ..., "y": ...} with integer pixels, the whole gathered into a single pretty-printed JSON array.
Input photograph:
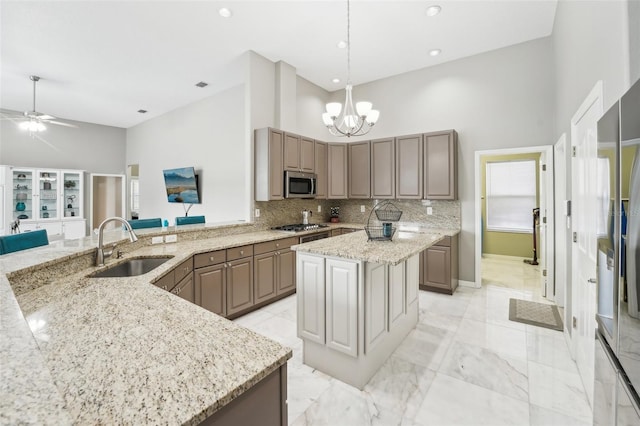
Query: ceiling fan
[{"x": 33, "y": 121}]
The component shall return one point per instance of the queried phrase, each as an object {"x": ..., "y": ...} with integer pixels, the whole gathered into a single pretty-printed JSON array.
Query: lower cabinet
[
  {"x": 439, "y": 266},
  {"x": 185, "y": 288},
  {"x": 239, "y": 285},
  {"x": 211, "y": 286},
  {"x": 342, "y": 306}
]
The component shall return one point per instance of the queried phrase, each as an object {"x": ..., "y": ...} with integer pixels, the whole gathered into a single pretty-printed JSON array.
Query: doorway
[
  {"x": 502, "y": 241},
  {"x": 108, "y": 195}
]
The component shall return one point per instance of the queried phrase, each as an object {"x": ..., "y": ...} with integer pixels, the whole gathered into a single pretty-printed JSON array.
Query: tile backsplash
[{"x": 446, "y": 214}]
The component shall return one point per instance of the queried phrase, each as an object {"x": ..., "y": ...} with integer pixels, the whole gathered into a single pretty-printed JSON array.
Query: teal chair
[
  {"x": 189, "y": 220},
  {"x": 23, "y": 241},
  {"x": 156, "y": 222}
]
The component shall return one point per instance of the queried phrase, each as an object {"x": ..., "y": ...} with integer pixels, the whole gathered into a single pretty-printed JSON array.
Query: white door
[
  {"x": 584, "y": 198},
  {"x": 561, "y": 223},
  {"x": 547, "y": 223},
  {"x": 542, "y": 224}
]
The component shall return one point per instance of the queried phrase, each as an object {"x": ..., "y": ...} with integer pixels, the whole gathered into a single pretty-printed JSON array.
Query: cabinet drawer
[
  {"x": 268, "y": 246},
  {"x": 208, "y": 259},
  {"x": 166, "y": 282},
  {"x": 445, "y": 242},
  {"x": 183, "y": 269},
  {"x": 239, "y": 252}
]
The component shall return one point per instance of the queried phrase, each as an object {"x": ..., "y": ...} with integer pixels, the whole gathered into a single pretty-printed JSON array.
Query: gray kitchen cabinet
[
  {"x": 321, "y": 169},
  {"x": 439, "y": 266},
  {"x": 269, "y": 168},
  {"x": 337, "y": 167},
  {"x": 166, "y": 282},
  {"x": 286, "y": 269},
  {"x": 274, "y": 269},
  {"x": 239, "y": 284},
  {"x": 210, "y": 285},
  {"x": 441, "y": 165},
  {"x": 185, "y": 288},
  {"x": 409, "y": 167},
  {"x": 360, "y": 170},
  {"x": 383, "y": 168},
  {"x": 265, "y": 277},
  {"x": 298, "y": 153}
]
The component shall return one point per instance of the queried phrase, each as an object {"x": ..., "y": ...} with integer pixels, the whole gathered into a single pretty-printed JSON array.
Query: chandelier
[{"x": 349, "y": 121}]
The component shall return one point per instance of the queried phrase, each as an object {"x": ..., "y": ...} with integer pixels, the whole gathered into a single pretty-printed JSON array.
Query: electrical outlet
[
  {"x": 362, "y": 209},
  {"x": 257, "y": 212},
  {"x": 319, "y": 208},
  {"x": 429, "y": 210},
  {"x": 173, "y": 238},
  {"x": 157, "y": 240}
]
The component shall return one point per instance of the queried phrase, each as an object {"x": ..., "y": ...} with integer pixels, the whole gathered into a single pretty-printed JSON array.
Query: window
[{"x": 511, "y": 196}]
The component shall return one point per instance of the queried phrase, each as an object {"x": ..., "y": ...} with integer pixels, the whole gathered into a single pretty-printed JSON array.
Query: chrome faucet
[{"x": 103, "y": 253}]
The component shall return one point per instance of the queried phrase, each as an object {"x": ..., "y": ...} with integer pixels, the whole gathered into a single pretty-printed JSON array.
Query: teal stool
[
  {"x": 23, "y": 241},
  {"x": 189, "y": 220}
]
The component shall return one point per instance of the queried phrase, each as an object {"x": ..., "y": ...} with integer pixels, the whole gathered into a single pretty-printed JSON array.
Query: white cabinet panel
[
  {"x": 376, "y": 306},
  {"x": 311, "y": 294},
  {"x": 396, "y": 294},
  {"x": 342, "y": 306},
  {"x": 412, "y": 275},
  {"x": 73, "y": 229}
]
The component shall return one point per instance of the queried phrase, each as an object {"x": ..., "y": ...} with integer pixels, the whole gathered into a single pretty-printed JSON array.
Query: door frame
[
  {"x": 547, "y": 150},
  {"x": 561, "y": 159},
  {"x": 92, "y": 226}
]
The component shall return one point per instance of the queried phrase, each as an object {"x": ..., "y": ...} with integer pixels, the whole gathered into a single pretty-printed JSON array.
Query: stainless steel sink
[{"x": 131, "y": 267}]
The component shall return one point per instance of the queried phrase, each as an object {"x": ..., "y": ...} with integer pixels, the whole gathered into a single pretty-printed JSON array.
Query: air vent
[
  {"x": 202, "y": 84},
  {"x": 142, "y": 111}
]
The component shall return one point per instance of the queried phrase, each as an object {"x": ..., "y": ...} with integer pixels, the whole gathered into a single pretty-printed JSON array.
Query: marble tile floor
[{"x": 464, "y": 364}]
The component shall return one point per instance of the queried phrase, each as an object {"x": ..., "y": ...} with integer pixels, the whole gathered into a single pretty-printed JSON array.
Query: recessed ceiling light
[
  {"x": 342, "y": 44},
  {"x": 225, "y": 13},
  {"x": 336, "y": 80},
  {"x": 142, "y": 111},
  {"x": 435, "y": 52},
  {"x": 202, "y": 84},
  {"x": 433, "y": 10}
]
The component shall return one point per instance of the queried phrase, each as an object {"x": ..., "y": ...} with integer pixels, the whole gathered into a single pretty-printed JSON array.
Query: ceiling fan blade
[
  {"x": 43, "y": 140},
  {"x": 46, "y": 117},
  {"x": 60, "y": 123}
]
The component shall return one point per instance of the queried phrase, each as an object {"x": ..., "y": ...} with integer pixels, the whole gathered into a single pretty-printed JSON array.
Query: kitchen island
[{"x": 357, "y": 300}]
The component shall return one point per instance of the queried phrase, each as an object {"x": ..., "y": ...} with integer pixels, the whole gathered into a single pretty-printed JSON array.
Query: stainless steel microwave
[{"x": 299, "y": 185}]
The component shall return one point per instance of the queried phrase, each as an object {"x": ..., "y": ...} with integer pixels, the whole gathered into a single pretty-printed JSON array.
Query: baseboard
[
  {"x": 471, "y": 284},
  {"x": 505, "y": 257}
]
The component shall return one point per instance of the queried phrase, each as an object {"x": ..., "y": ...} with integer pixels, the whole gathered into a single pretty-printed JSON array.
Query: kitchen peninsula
[{"x": 358, "y": 299}]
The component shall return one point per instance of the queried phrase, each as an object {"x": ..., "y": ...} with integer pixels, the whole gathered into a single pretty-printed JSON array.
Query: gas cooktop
[{"x": 299, "y": 227}]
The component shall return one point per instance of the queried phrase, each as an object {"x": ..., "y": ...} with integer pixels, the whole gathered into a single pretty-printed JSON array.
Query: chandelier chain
[{"x": 348, "y": 42}]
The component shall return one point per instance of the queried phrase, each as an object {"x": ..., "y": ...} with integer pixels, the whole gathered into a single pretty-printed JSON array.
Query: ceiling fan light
[
  {"x": 334, "y": 108},
  {"x": 24, "y": 125},
  {"x": 363, "y": 108},
  {"x": 373, "y": 116}
]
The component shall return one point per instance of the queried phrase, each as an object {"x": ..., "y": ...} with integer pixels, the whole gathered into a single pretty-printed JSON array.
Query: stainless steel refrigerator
[{"x": 617, "y": 358}]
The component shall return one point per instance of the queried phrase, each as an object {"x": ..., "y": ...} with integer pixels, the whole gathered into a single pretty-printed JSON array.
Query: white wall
[
  {"x": 209, "y": 135},
  {"x": 500, "y": 99},
  {"x": 310, "y": 103}
]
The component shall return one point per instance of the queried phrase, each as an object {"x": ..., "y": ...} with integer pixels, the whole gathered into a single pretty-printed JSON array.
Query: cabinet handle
[
  {"x": 211, "y": 259},
  {"x": 277, "y": 244},
  {"x": 241, "y": 251}
]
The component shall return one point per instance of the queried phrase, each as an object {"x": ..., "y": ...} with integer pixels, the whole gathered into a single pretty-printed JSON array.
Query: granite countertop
[
  {"x": 356, "y": 246},
  {"x": 120, "y": 350}
]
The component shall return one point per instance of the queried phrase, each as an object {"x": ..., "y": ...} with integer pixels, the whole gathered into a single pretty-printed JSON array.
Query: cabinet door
[
  {"x": 167, "y": 282},
  {"x": 291, "y": 152},
  {"x": 440, "y": 166},
  {"x": 269, "y": 169},
  {"x": 72, "y": 194},
  {"x": 437, "y": 267},
  {"x": 342, "y": 306},
  {"x": 409, "y": 167},
  {"x": 307, "y": 155},
  {"x": 383, "y": 168},
  {"x": 276, "y": 167},
  {"x": 376, "y": 305},
  {"x": 286, "y": 267},
  {"x": 321, "y": 169},
  {"x": 311, "y": 296},
  {"x": 211, "y": 289},
  {"x": 337, "y": 164},
  {"x": 412, "y": 273},
  {"x": 239, "y": 285},
  {"x": 359, "y": 170},
  {"x": 396, "y": 294},
  {"x": 24, "y": 200},
  {"x": 185, "y": 288},
  {"x": 47, "y": 195},
  {"x": 264, "y": 278}
]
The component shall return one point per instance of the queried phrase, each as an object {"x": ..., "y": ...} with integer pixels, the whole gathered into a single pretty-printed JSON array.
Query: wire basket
[
  {"x": 388, "y": 212},
  {"x": 377, "y": 233}
]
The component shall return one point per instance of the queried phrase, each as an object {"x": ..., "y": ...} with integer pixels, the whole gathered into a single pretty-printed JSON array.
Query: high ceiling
[{"x": 102, "y": 61}]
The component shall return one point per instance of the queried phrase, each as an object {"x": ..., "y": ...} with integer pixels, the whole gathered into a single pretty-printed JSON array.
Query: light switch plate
[
  {"x": 429, "y": 210},
  {"x": 257, "y": 212},
  {"x": 319, "y": 208},
  {"x": 171, "y": 238},
  {"x": 362, "y": 209},
  {"x": 157, "y": 240}
]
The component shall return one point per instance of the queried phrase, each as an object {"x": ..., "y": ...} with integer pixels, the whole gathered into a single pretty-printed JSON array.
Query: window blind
[{"x": 510, "y": 195}]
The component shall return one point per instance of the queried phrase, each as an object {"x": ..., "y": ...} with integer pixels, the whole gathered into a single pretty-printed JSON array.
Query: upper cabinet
[
  {"x": 441, "y": 165},
  {"x": 359, "y": 170},
  {"x": 299, "y": 153},
  {"x": 337, "y": 166},
  {"x": 269, "y": 170},
  {"x": 383, "y": 168},
  {"x": 409, "y": 167},
  {"x": 321, "y": 169}
]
